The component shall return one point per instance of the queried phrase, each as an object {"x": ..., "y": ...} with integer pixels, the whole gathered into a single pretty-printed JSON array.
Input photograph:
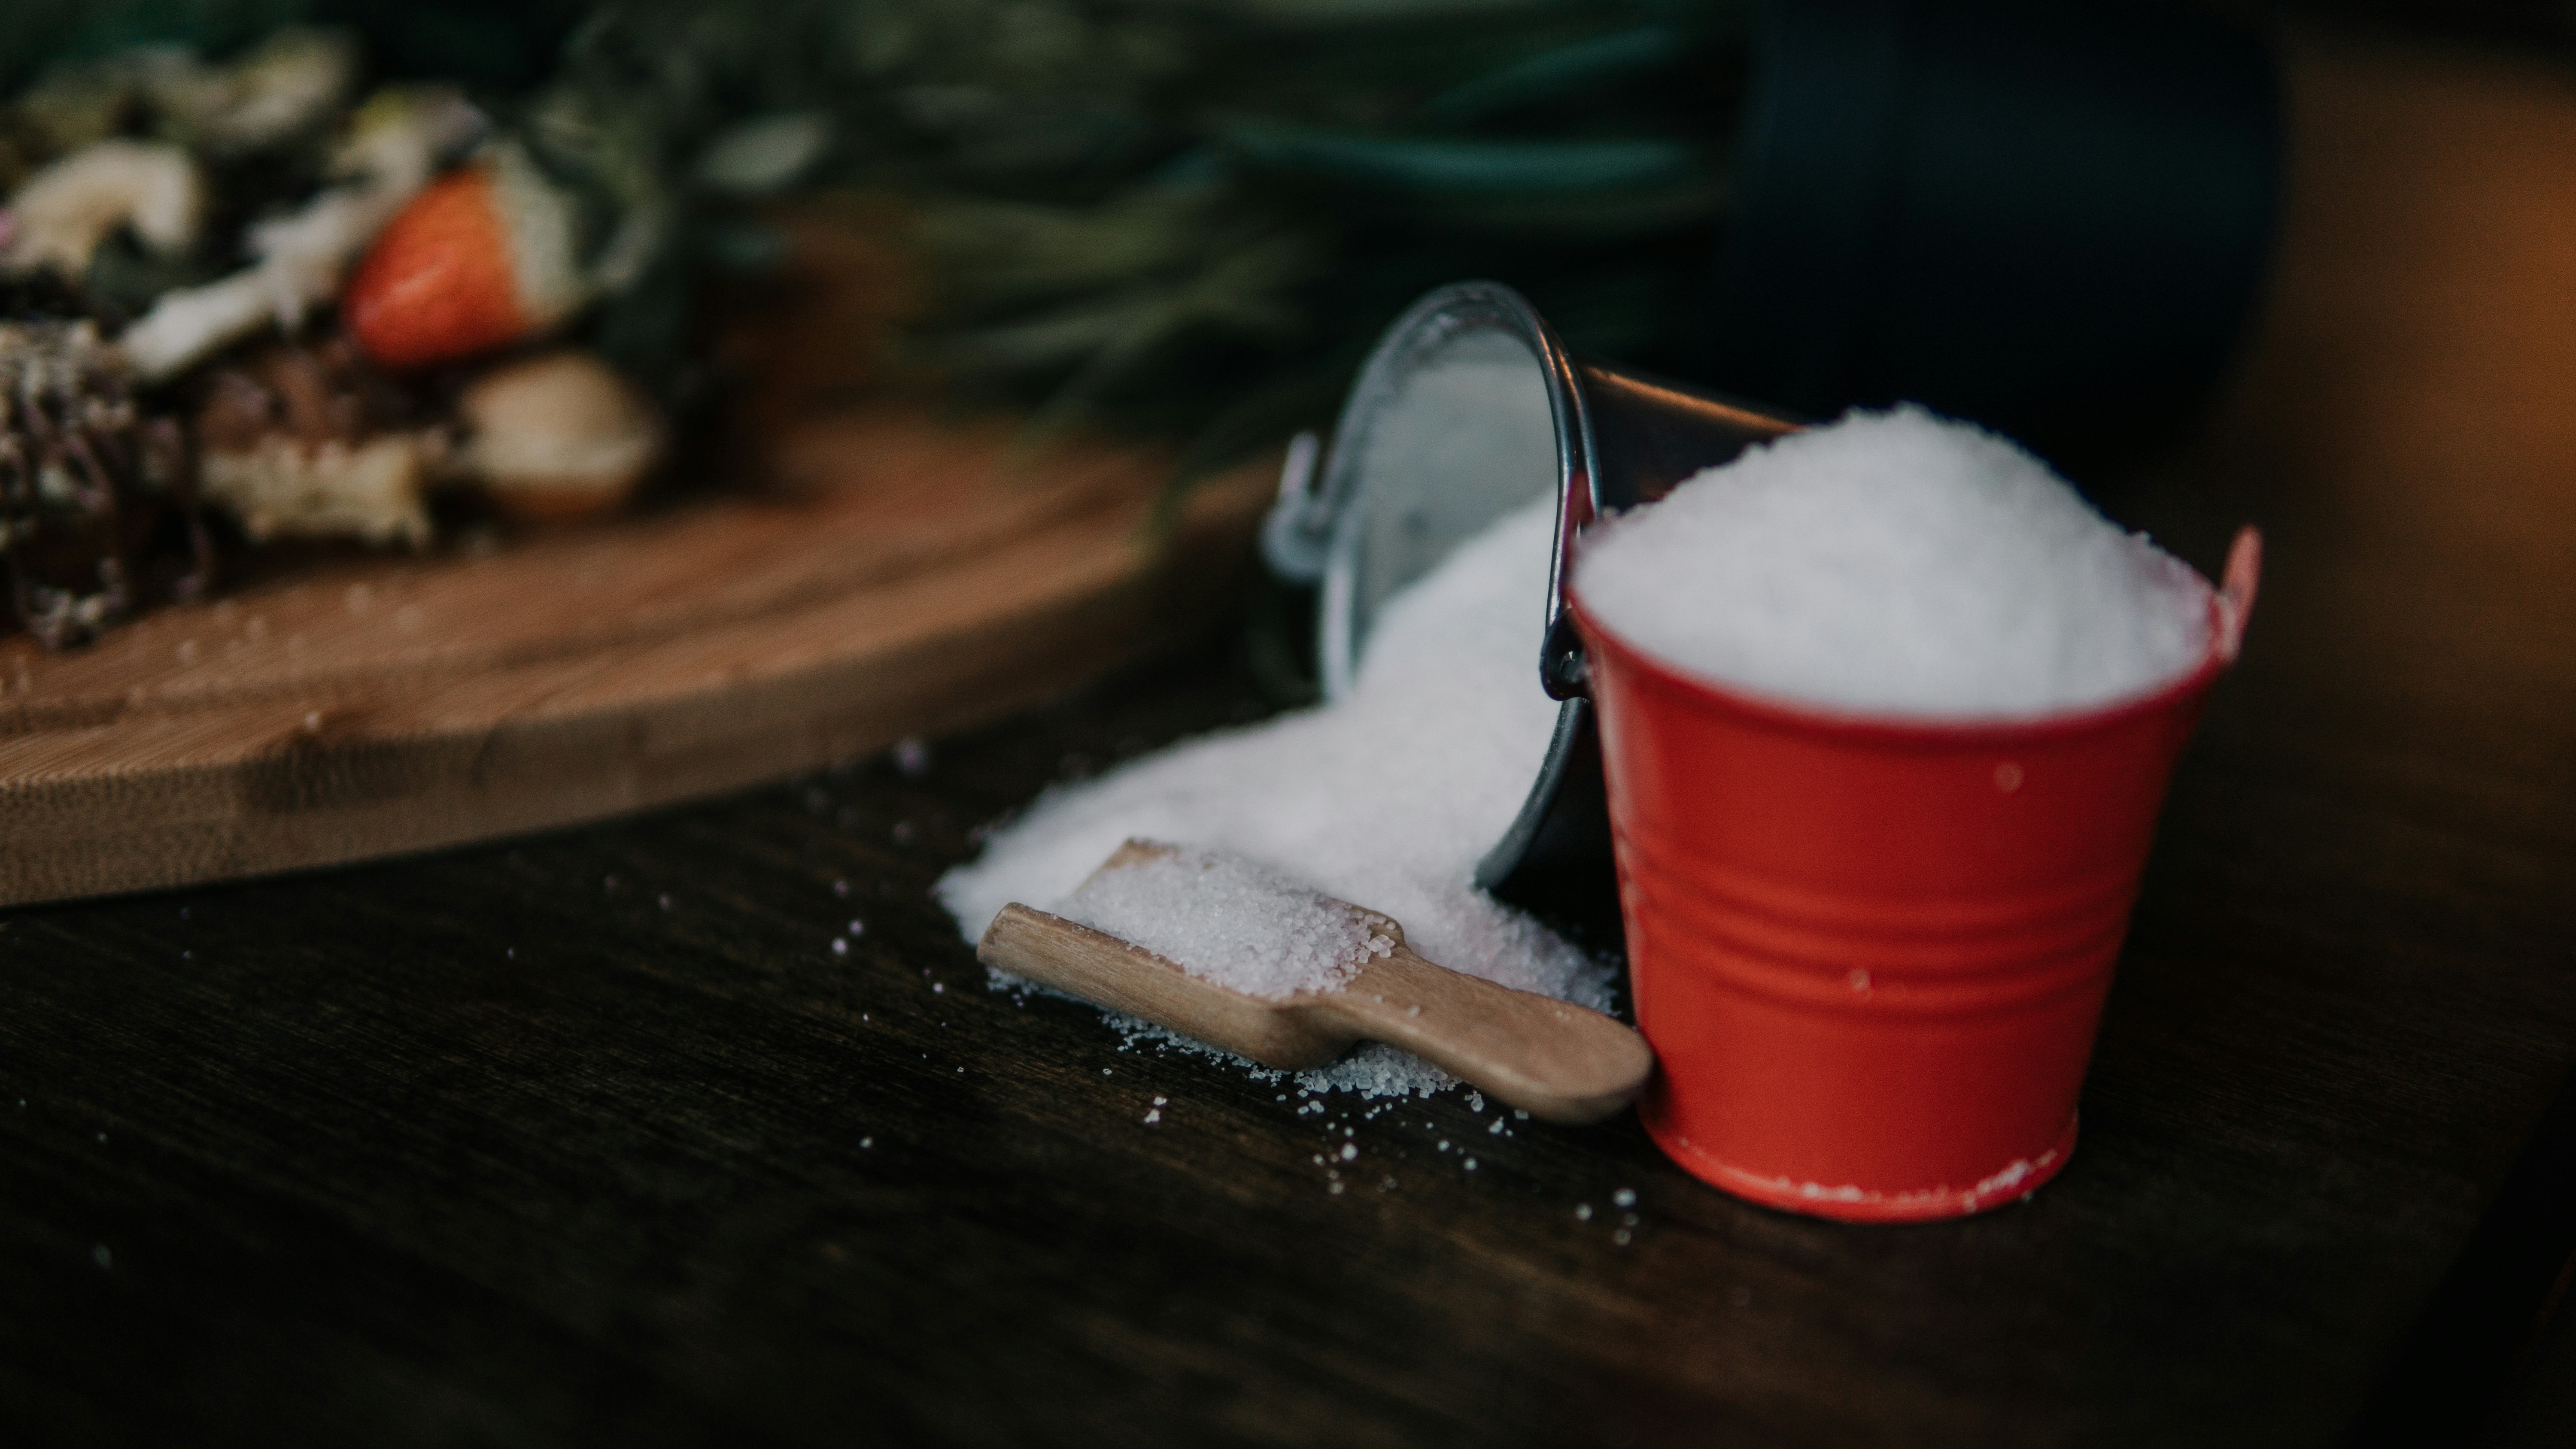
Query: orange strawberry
[{"x": 481, "y": 258}]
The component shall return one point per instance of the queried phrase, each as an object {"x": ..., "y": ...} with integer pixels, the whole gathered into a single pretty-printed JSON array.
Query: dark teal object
[
  {"x": 2045, "y": 217},
  {"x": 496, "y": 44}
]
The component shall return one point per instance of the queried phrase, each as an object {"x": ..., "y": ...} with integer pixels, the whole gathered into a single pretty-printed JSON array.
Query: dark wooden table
[{"x": 593, "y": 1137}]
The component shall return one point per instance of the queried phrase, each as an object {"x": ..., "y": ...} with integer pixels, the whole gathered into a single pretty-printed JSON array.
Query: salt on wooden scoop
[{"x": 1352, "y": 976}]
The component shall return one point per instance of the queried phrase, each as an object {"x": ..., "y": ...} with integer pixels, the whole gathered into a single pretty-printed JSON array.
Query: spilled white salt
[
  {"x": 1385, "y": 798},
  {"x": 1224, "y": 919},
  {"x": 1900, "y": 563}
]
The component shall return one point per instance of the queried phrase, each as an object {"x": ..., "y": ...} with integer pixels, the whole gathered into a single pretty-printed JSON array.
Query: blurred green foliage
[{"x": 1190, "y": 216}]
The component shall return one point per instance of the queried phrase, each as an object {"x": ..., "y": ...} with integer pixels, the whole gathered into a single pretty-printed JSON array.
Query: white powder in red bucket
[
  {"x": 1224, "y": 919},
  {"x": 1896, "y": 563}
]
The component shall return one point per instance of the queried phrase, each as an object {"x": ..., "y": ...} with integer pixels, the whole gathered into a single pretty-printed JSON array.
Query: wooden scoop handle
[{"x": 1552, "y": 1059}]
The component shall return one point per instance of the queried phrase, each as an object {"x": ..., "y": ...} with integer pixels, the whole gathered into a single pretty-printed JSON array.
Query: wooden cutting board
[{"x": 909, "y": 576}]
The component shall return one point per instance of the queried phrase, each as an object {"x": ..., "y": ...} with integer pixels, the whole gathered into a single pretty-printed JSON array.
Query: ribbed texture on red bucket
[{"x": 1871, "y": 955}]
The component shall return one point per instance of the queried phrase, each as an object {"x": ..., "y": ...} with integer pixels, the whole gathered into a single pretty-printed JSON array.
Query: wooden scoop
[{"x": 1549, "y": 1058}]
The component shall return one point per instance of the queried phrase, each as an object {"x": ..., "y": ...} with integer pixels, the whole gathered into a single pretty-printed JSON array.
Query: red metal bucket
[{"x": 1871, "y": 953}]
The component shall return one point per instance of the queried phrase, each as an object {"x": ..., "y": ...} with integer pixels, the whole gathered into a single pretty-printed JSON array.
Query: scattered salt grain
[
  {"x": 1350, "y": 1151},
  {"x": 1385, "y": 798},
  {"x": 1897, "y": 563},
  {"x": 1625, "y": 1197},
  {"x": 1471, "y": 1164},
  {"x": 840, "y": 947},
  {"x": 1224, "y": 919},
  {"x": 1583, "y": 1212}
]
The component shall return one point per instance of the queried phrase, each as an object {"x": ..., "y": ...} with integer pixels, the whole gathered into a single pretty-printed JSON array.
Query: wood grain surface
[
  {"x": 597, "y": 1137},
  {"x": 905, "y": 576}
]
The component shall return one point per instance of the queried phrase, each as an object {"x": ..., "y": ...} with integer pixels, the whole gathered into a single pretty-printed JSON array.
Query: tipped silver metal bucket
[{"x": 1602, "y": 437}]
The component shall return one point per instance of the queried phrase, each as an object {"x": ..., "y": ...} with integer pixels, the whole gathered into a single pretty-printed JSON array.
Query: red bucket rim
[{"x": 2231, "y": 605}]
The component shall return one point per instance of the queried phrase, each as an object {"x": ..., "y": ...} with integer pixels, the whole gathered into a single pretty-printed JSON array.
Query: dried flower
[{"x": 84, "y": 476}]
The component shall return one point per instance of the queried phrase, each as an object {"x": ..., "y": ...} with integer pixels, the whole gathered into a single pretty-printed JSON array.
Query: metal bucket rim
[{"x": 1339, "y": 508}]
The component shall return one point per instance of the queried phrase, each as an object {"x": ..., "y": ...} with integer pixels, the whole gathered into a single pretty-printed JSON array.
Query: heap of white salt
[
  {"x": 1224, "y": 919},
  {"x": 1385, "y": 798},
  {"x": 1896, "y": 563}
]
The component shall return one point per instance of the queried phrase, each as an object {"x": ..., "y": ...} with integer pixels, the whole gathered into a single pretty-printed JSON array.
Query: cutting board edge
[{"x": 1149, "y": 600}]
